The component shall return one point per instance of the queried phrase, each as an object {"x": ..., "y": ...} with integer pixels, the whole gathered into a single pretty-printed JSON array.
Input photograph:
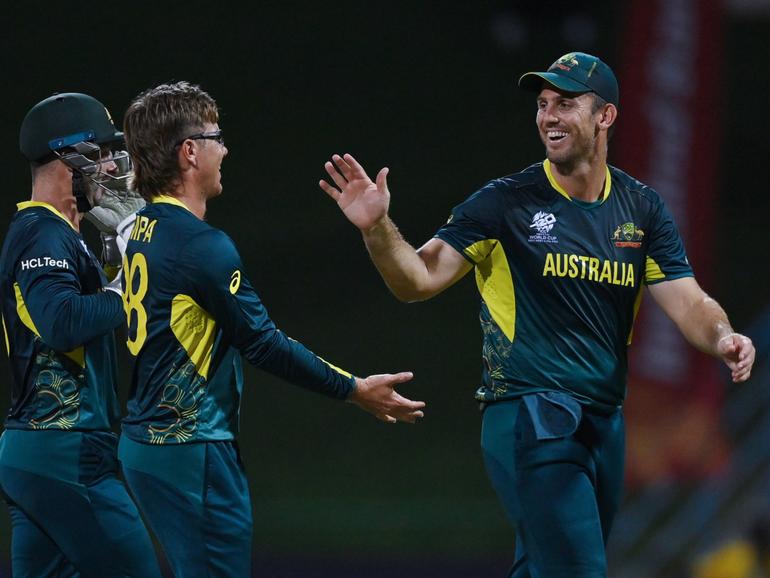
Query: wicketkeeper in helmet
[{"x": 70, "y": 514}]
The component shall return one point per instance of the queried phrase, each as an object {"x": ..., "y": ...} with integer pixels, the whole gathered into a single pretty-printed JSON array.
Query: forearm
[
  {"x": 77, "y": 319},
  {"x": 704, "y": 323},
  {"x": 293, "y": 362},
  {"x": 399, "y": 264}
]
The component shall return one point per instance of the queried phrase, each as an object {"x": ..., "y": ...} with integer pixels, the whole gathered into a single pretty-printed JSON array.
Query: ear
[
  {"x": 188, "y": 154},
  {"x": 608, "y": 114}
]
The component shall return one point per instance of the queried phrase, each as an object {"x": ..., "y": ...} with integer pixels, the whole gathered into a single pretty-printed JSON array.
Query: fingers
[
  {"x": 738, "y": 353},
  {"x": 403, "y": 409},
  {"x": 353, "y": 164},
  {"x": 382, "y": 180},
  {"x": 334, "y": 173},
  {"x": 746, "y": 356},
  {"x": 408, "y": 417},
  {"x": 400, "y": 377},
  {"x": 345, "y": 168},
  {"x": 329, "y": 190}
]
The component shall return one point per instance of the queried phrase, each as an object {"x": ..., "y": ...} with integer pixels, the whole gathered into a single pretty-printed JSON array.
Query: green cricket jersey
[
  {"x": 191, "y": 314},
  {"x": 57, "y": 326},
  {"x": 561, "y": 280}
]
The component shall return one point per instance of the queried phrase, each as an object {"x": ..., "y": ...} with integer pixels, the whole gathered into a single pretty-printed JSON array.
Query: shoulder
[
  {"x": 209, "y": 244},
  {"x": 531, "y": 177},
  {"x": 627, "y": 185},
  {"x": 40, "y": 228},
  {"x": 503, "y": 190}
]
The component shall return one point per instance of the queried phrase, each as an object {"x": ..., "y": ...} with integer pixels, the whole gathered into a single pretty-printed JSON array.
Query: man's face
[
  {"x": 104, "y": 166},
  {"x": 567, "y": 125},
  {"x": 212, "y": 153}
]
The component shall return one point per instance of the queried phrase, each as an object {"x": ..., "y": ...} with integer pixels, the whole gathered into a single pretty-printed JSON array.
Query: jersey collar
[
  {"x": 54, "y": 210},
  {"x": 560, "y": 189},
  {"x": 169, "y": 200}
]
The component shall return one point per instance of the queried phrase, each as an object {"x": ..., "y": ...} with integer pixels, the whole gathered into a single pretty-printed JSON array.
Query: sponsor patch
[{"x": 37, "y": 262}]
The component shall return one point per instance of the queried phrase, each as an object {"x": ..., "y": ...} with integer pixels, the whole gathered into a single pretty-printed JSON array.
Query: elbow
[
  {"x": 412, "y": 294},
  {"x": 60, "y": 333},
  {"x": 60, "y": 340}
]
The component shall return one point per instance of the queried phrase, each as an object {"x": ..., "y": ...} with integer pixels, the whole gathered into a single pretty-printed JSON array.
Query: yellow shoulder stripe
[
  {"x": 54, "y": 210},
  {"x": 169, "y": 200}
]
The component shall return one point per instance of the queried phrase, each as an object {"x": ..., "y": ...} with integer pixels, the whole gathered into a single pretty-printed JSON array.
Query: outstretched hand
[
  {"x": 737, "y": 351},
  {"x": 376, "y": 395},
  {"x": 364, "y": 202}
]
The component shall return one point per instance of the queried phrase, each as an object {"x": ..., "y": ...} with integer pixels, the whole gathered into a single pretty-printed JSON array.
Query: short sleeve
[
  {"x": 666, "y": 258},
  {"x": 474, "y": 225}
]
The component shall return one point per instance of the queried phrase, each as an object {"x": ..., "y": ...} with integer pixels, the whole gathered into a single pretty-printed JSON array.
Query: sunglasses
[{"x": 215, "y": 135}]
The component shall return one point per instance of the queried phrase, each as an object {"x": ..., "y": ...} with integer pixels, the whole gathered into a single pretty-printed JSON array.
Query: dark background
[{"x": 428, "y": 89}]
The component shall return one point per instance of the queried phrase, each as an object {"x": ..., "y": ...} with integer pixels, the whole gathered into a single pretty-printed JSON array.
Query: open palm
[{"x": 363, "y": 201}]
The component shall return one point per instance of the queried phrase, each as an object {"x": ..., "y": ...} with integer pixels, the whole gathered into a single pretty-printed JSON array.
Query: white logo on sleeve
[
  {"x": 36, "y": 262},
  {"x": 543, "y": 222}
]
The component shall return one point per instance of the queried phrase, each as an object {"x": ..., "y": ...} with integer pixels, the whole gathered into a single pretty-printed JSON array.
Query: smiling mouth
[{"x": 556, "y": 135}]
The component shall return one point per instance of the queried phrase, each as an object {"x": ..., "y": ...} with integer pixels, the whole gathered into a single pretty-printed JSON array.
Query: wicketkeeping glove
[
  {"x": 113, "y": 209},
  {"x": 113, "y": 249}
]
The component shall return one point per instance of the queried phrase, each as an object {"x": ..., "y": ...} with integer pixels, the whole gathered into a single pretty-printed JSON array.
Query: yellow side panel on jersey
[
  {"x": 195, "y": 329},
  {"x": 77, "y": 355},
  {"x": 652, "y": 271},
  {"x": 493, "y": 278},
  {"x": 637, "y": 305}
]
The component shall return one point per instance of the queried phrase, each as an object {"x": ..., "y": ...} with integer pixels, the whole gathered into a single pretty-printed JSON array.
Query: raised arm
[
  {"x": 412, "y": 275},
  {"x": 704, "y": 324}
]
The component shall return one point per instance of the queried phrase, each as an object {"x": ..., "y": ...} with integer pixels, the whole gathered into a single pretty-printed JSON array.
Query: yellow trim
[
  {"x": 77, "y": 355},
  {"x": 335, "y": 368},
  {"x": 5, "y": 333},
  {"x": 652, "y": 271},
  {"x": 495, "y": 283},
  {"x": 54, "y": 210},
  {"x": 169, "y": 200},
  {"x": 637, "y": 305},
  {"x": 22, "y": 312},
  {"x": 195, "y": 329},
  {"x": 560, "y": 189}
]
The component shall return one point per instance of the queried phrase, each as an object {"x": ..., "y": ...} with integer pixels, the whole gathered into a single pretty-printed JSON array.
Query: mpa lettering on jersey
[
  {"x": 36, "y": 262},
  {"x": 590, "y": 268},
  {"x": 143, "y": 229}
]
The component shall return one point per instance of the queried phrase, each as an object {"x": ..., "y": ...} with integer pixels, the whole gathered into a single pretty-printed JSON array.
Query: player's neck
[
  {"x": 192, "y": 199},
  {"x": 59, "y": 195},
  {"x": 584, "y": 179}
]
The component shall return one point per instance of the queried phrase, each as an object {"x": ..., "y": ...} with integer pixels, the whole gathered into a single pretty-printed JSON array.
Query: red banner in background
[{"x": 668, "y": 137}]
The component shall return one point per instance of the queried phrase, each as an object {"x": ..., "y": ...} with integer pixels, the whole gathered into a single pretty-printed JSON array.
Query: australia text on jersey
[{"x": 591, "y": 268}]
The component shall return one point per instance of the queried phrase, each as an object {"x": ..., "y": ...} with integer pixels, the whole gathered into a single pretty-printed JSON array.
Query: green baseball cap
[
  {"x": 576, "y": 72},
  {"x": 63, "y": 120}
]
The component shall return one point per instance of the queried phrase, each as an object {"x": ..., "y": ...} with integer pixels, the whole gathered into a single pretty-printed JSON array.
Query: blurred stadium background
[{"x": 429, "y": 89}]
